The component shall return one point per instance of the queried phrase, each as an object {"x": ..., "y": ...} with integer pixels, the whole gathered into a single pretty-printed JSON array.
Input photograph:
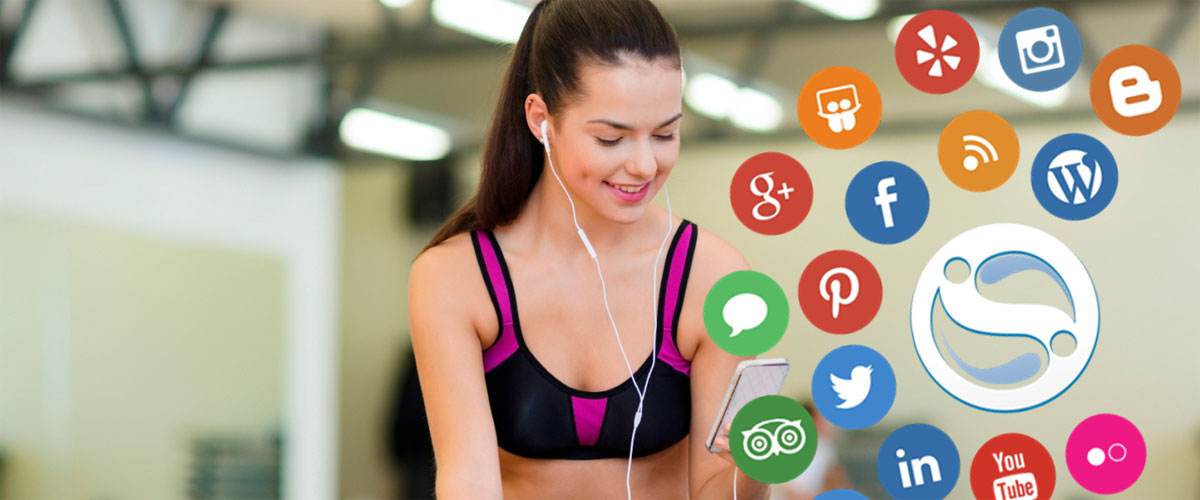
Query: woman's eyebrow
[{"x": 623, "y": 126}]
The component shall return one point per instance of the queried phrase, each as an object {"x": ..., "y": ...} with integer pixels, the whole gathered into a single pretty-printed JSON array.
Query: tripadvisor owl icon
[{"x": 993, "y": 253}]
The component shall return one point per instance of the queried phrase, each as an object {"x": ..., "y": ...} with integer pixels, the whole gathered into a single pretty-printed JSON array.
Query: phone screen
[{"x": 752, "y": 379}]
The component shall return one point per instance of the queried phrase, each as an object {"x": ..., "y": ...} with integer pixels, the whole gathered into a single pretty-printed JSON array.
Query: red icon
[
  {"x": 840, "y": 292},
  {"x": 937, "y": 51},
  {"x": 771, "y": 193},
  {"x": 1012, "y": 467}
]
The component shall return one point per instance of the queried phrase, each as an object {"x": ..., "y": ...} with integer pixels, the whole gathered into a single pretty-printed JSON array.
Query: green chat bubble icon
[
  {"x": 743, "y": 312},
  {"x": 746, "y": 313}
]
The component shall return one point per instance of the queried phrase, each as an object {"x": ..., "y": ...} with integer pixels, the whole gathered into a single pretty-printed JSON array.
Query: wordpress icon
[
  {"x": 1074, "y": 176},
  {"x": 991, "y": 254}
]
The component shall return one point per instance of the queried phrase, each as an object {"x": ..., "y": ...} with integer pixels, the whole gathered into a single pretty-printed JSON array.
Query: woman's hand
[{"x": 722, "y": 444}]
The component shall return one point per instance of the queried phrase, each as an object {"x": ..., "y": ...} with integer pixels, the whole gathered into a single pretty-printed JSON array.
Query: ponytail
[{"x": 553, "y": 44}]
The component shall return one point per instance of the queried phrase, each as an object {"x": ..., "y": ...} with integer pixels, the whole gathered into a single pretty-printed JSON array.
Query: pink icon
[{"x": 1106, "y": 454}]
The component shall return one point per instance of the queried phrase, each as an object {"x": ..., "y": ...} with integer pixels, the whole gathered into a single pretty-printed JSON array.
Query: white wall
[{"x": 144, "y": 183}]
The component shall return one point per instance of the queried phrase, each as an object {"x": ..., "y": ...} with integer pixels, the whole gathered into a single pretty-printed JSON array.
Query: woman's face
[{"x": 616, "y": 143}]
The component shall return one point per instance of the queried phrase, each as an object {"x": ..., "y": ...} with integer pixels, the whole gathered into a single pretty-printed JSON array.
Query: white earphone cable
[{"x": 641, "y": 390}]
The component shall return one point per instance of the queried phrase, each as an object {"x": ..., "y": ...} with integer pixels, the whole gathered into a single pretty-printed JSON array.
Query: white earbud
[
  {"x": 583, "y": 237},
  {"x": 640, "y": 389}
]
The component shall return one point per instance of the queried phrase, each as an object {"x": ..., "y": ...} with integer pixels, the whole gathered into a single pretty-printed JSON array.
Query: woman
[{"x": 548, "y": 413}]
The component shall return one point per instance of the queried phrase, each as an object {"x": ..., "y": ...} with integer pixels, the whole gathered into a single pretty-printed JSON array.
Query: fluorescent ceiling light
[
  {"x": 710, "y": 95},
  {"x": 719, "y": 98},
  {"x": 851, "y": 10},
  {"x": 391, "y": 135},
  {"x": 396, "y": 4},
  {"x": 495, "y": 20},
  {"x": 989, "y": 72},
  {"x": 896, "y": 24},
  {"x": 756, "y": 110}
]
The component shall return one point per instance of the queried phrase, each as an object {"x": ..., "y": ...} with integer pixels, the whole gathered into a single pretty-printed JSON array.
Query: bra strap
[
  {"x": 487, "y": 253},
  {"x": 679, "y": 265}
]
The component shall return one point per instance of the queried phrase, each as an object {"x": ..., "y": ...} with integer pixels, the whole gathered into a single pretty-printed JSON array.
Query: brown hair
[{"x": 558, "y": 37}]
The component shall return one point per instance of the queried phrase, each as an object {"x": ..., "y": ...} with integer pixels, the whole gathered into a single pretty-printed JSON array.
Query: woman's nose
[{"x": 642, "y": 165}]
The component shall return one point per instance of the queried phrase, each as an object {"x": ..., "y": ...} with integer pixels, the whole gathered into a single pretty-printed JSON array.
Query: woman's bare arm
[
  {"x": 450, "y": 366},
  {"x": 711, "y": 474}
]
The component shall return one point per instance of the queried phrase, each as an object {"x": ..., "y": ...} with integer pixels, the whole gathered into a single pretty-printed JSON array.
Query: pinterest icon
[
  {"x": 840, "y": 292},
  {"x": 771, "y": 193}
]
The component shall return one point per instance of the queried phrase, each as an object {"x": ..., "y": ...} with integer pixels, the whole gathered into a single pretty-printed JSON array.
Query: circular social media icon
[
  {"x": 918, "y": 461},
  {"x": 1012, "y": 467},
  {"x": 839, "y": 107},
  {"x": 1135, "y": 90},
  {"x": 990, "y": 254},
  {"x": 978, "y": 151},
  {"x": 841, "y": 494},
  {"x": 771, "y": 193},
  {"x": 937, "y": 51},
  {"x": 746, "y": 313},
  {"x": 887, "y": 202},
  {"x": 1040, "y": 49},
  {"x": 1106, "y": 454},
  {"x": 840, "y": 292},
  {"x": 854, "y": 387},
  {"x": 773, "y": 439},
  {"x": 1074, "y": 176}
]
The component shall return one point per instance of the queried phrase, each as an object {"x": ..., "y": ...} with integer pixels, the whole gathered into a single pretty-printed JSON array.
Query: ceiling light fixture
[
  {"x": 850, "y": 10},
  {"x": 392, "y": 135},
  {"x": 495, "y": 20}
]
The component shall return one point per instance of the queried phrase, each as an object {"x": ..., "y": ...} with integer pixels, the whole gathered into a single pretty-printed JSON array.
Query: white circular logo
[{"x": 992, "y": 253}]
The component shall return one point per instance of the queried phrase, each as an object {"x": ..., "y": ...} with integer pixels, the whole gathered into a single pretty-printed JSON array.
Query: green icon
[
  {"x": 773, "y": 439},
  {"x": 746, "y": 313}
]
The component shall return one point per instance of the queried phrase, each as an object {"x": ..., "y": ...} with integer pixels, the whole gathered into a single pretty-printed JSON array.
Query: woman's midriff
[{"x": 663, "y": 475}]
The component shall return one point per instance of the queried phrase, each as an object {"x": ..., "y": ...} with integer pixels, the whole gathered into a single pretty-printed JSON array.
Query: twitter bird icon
[
  {"x": 853, "y": 390},
  {"x": 844, "y": 401}
]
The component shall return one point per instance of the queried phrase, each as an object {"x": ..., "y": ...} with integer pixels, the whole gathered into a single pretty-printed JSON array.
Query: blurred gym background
[{"x": 208, "y": 210}]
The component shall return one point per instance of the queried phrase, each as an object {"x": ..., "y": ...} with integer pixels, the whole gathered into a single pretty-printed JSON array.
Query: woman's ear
[{"x": 535, "y": 114}]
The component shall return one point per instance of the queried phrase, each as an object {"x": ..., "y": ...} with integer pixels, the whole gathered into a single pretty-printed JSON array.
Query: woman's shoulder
[
  {"x": 714, "y": 257},
  {"x": 446, "y": 257},
  {"x": 447, "y": 272}
]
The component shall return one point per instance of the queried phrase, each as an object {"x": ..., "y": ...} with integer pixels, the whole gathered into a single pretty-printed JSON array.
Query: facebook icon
[
  {"x": 885, "y": 199},
  {"x": 887, "y": 202}
]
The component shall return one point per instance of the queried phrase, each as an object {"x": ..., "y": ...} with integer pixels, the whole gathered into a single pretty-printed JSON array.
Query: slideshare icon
[{"x": 991, "y": 254}]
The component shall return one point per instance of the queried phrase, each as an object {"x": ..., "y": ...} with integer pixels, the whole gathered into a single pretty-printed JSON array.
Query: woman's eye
[{"x": 663, "y": 138}]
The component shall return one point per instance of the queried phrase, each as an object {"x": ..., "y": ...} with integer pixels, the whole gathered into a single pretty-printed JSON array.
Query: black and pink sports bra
[{"x": 537, "y": 416}]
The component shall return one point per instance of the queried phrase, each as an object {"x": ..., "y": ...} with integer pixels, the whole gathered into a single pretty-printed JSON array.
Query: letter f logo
[{"x": 885, "y": 200}]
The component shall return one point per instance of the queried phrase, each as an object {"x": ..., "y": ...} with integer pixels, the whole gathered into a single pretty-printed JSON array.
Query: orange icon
[
  {"x": 1135, "y": 90},
  {"x": 978, "y": 151},
  {"x": 839, "y": 107}
]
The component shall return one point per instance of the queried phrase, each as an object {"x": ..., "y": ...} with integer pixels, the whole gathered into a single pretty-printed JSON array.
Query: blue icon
[
  {"x": 841, "y": 495},
  {"x": 854, "y": 387},
  {"x": 918, "y": 461},
  {"x": 1040, "y": 49},
  {"x": 1074, "y": 176},
  {"x": 887, "y": 202}
]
